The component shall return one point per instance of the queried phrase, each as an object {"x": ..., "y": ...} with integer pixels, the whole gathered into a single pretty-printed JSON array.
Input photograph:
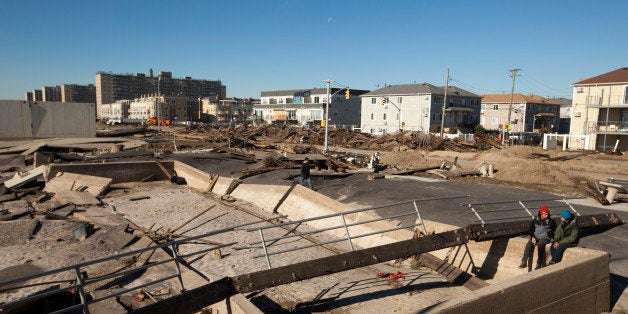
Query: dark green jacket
[{"x": 567, "y": 232}]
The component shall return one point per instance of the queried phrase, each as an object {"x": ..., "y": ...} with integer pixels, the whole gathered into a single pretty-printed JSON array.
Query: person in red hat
[{"x": 541, "y": 232}]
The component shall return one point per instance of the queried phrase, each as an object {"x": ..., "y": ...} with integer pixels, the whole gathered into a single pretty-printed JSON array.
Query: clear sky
[{"x": 254, "y": 46}]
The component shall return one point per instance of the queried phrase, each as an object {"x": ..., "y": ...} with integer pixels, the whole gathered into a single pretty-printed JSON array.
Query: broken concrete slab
[
  {"x": 117, "y": 236},
  {"x": 16, "y": 231},
  {"x": 66, "y": 181},
  {"x": 9, "y": 162},
  {"x": 22, "y": 178},
  {"x": 100, "y": 216},
  {"x": 76, "y": 198},
  {"x": 18, "y": 271}
]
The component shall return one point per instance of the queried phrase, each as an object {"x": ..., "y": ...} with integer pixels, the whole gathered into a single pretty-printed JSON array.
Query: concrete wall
[
  {"x": 23, "y": 119},
  {"x": 195, "y": 178},
  {"x": 119, "y": 171},
  {"x": 578, "y": 284},
  {"x": 15, "y": 120}
]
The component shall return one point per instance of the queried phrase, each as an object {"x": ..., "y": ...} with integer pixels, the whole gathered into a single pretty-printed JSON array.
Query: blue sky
[{"x": 255, "y": 46}]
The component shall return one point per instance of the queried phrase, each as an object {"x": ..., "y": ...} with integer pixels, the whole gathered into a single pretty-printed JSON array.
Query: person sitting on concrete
[
  {"x": 541, "y": 232},
  {"x": 567, "y": 235},
  {"x": 305, "y": 173}
]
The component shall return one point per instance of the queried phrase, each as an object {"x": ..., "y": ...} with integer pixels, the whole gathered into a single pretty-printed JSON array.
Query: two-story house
[
  {"x": 418, "y": 107},
  {"x": 307, "y": 106},
  {"x": 528, "y": 113},
  {"x": 600, "y": 111}
]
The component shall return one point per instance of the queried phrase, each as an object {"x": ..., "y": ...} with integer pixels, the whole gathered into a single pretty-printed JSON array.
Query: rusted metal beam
[{"x": 350, "y": 260}]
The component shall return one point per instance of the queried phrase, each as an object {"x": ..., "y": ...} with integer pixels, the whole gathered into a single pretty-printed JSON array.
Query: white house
[
  {"x": 305, "y": 106},
  {"x": 418, "y": 107}
]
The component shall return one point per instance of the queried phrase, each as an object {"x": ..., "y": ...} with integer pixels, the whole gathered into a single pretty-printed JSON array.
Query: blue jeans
[
  {"x": 308, "y": 180},
  {"x": 557, "y": 253}
]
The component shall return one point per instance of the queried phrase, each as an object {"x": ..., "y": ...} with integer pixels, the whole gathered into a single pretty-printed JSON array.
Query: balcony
[
  {"x": 613, "y": 101},
  {"x": 608, "y": 127}
]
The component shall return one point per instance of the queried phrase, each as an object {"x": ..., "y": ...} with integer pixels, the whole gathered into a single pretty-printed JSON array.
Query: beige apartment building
[
  {"x": 230, "y": 110},
  {"x": 173, "y": 108},
  {"x": 112, "y": 87},
  {"x": 117, "y": 112},
  {"x": 528, "y": 113},
  {"x": 600, "y": 112}
]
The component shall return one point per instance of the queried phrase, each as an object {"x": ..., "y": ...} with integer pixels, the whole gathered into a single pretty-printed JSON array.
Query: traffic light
[
  {"x": 383, "y": 101},
  {"x": 347, "y": 94}
]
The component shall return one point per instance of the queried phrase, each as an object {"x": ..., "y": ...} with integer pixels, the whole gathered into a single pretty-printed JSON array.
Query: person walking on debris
[
  {"x": 567, "y": 235},
  {"x": 541, "y": 232},
  {"x": 305, "y": 173}
]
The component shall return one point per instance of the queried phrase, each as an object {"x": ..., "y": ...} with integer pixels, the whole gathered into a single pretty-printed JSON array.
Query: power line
[
  {"x": 543, "y": 84},
  {"x": 546, "y": 91},
  {"x": 471, "y": 87}
]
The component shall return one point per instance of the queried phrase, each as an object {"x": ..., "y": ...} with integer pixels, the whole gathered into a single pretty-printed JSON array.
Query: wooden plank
[{"x": 452, "y": 273}]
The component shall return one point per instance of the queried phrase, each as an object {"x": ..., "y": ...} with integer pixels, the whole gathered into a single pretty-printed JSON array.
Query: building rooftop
[
  {"x": 517, "y": 98},
  {"x": 618, "y": 76},
  {"x": 422, "y": 88}
]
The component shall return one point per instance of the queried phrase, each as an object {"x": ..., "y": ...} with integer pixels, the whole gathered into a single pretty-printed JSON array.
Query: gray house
[{"x": 418, "y": 107}]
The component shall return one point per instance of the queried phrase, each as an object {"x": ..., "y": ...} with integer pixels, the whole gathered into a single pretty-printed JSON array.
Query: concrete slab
[
  {"x": 120, "y": 172},
  {"x": 101, "y": 216},
  {"x": 16, "y": 232},
  {"x": 76, "y": 198},
  {"x": 222, "y": 185},
  {"x": 264, "y": 196},
  {"x": 66, "y": 181}
]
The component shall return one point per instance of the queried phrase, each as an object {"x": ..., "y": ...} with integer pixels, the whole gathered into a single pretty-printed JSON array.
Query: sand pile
[{"x": 410, "y": 159}]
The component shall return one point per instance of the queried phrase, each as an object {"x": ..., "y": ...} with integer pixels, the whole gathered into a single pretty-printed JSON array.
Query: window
[
  {"x": 399, "y": 100},
  {"x": 372, "y": 116},
  {"x": 438, "y": 99},
  {"x": 372, "y": 131},
  {"x": 626, "y": 95},
  {"x": 373, "y": 101},
  {"x": 483, "y": 107},
  {"x": 495, "y": 107},
  {"x": 494, "y": 120},
  {"x": 482, "y": 120},
  {"x": 384, "y": 117}
]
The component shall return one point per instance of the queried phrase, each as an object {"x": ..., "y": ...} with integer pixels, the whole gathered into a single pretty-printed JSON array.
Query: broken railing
[
  {"x": 81, "y": 282},
  {"x": 348, "y": 237},
  {"x": 493, "y": 211}
]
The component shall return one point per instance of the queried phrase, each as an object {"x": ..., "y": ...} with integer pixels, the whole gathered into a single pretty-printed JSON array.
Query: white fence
[{"x": 550, "y": 141}]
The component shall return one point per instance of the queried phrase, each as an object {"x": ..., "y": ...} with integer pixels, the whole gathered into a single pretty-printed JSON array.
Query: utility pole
[
  {"x": 328, "y": 81},
  {"x": 158, "y": 106},
  {"x": 512, "y": 92},
  {"x": 442, "y": 119}
]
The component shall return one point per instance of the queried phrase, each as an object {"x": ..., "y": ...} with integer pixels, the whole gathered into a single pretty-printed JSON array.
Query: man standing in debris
[
  {"x": 541, "y": 232},
  {"x": 305, "y": 173},
  {"x": 567, "y": 235}
]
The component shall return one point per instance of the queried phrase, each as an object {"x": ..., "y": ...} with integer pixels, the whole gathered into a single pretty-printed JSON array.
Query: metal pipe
[
  {"x": 347, "y": 232},
  {"x": 176, "y": 264}
]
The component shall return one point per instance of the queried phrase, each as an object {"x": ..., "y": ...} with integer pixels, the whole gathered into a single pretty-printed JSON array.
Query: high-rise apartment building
[
  {"x": 37, "y": 95},
  {"x": 51, "y": 93},
  {"x": 112, "y": 87},
  {"x": 78, "y": 93}
]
